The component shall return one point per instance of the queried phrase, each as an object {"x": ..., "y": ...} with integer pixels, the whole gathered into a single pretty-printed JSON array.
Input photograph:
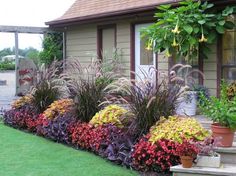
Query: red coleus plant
[
  {"x": 41, "y": 123},
  {"x": 23, "y": 118},
  {"x": 31, "y": 123},
  {"x": 157, "y": 157},
  {"x": 88, "y": 137},
  {"x": 99, "y": 135},
  {"x": 81, "y": 135},
  {"x": 187, "y": 148}
]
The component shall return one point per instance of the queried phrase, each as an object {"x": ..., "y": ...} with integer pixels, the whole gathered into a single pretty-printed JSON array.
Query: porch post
[
  {"x": 17, "y": 60},
  {"x": 64, "y": 50}
]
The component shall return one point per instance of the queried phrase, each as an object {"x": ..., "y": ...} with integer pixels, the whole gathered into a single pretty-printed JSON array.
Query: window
[
  {"x": 106, "y": 41},
  {"x": 146, "y": 56},
  {"x": 229, "y": 54}
]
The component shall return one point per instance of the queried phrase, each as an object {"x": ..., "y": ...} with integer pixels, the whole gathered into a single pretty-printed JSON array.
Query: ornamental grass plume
[
  {"x": 48, "y": 87},
  {"x": 149, "y": 100}
]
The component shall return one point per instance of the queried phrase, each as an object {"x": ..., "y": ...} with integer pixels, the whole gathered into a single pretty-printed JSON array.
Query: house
[
  {"x": 93, "y": 27},
  {"x": 10, "y": 58}
]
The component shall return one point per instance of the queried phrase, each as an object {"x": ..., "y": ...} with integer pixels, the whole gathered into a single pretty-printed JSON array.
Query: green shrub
[
  {"x": 7, "y": 65},
  {"x": 52, "y": 48},
  {"x": 220, "y": 110}
]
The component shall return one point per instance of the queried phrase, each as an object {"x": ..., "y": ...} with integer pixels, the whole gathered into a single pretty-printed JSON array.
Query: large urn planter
[
  {"x": 208, "y": 161},
  {"x": 225, "y": 135},
  {"x": 186, "y": 161},
  {"x": 187, "y": 104}
]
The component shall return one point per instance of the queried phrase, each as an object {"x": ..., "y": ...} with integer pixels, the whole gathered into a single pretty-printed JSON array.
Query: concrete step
[
  {"x": 228, "y": 154},
  {"x": 224, "y": 170}
]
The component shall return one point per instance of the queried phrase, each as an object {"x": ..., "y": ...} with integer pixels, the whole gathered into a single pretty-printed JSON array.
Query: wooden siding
[
  {"x": 162, "y": 66},
  {"x": 123, "y": 45},
  {"x": 81, "y": 43},
  {"x": 210, "y": 71}
]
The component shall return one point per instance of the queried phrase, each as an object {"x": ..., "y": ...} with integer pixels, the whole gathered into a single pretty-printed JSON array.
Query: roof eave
[
  {"x": 102, "y": 16},
  {"x": 64, "y": 22}
]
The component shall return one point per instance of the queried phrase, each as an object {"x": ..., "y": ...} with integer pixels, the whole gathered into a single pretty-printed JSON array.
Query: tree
[
  {"x": 52, "y": 48},
  {"x": 5, "y": 52},
  {"x": 33, "y": 54},
  {"x": 181, "y": 31}
]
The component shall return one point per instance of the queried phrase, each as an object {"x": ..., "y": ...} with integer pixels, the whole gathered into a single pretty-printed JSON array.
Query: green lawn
[{"x": 23, "y": 154}]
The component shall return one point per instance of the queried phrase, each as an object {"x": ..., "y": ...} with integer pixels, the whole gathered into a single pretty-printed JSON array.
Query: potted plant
[
  {"x": 184, "y": 75},
  {"x": 187, "y": 151},
  {"x": 207, "y": 156},
  {"x": 222, "y": 111},
  {"x": 187, "y": 103}
]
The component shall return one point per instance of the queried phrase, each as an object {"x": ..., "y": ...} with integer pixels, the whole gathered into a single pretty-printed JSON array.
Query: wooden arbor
[{"x": 24, "y": 29}]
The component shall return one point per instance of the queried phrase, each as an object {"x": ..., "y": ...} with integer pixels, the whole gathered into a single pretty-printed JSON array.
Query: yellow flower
[
  {"x": 174, "y": 44},
  {"x": 168, "y": 54},
  {"x": 203, "y": 39},
  {"x": 150, "y": 45},
  {"x": 176, "y": 30}
]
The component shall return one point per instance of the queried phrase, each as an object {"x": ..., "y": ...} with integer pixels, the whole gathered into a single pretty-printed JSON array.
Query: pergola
[
  {"x": 22, "y": 29},
  {"x": 27, "y": 30}
]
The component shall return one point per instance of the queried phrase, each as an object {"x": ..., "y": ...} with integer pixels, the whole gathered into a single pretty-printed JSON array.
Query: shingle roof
[{"x": 88, "y": 9}]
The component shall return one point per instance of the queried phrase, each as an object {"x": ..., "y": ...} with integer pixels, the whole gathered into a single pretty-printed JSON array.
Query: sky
[{"x": 29, "y": 13}]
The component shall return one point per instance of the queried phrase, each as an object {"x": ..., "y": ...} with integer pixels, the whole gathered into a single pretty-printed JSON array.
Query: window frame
[
  {"x": 220, "y": 65},
  {"x": 100, "y": 29}
]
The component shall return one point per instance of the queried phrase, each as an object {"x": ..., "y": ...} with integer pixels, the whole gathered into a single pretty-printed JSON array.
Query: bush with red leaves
[
  {"x": 187, "y": 148},
  {"x": 31, "y": 123},
  {"x": 22, "y": 118},
  {"x": 99, "y": 136},
  {"x": 81, "y": 135},
  {"x": 86, "y": 136},
  {"x": 41, "y": 124},
  {"x": 158, "y": 157}
]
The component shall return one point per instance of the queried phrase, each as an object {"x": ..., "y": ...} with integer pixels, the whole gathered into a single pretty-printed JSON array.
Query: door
[{"x": 145, "y": 60}]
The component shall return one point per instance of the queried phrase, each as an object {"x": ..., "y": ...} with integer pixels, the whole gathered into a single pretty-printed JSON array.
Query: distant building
[{"x": 10, "y": 58}]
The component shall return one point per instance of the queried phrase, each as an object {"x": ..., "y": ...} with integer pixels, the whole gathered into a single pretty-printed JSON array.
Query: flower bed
[
  {"x": 143, "y": 136},
  {"x": 107, "y": 139}
]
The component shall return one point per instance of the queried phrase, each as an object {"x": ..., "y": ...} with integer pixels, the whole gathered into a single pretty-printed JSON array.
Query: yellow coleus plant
[
  {"x": 109, "y": 115},
  {"x": 231, "y": 90},
  {"x": 58, "y": 107},
  {"x": 176, "y": 128},
  {"x": 27, "y": 99}
]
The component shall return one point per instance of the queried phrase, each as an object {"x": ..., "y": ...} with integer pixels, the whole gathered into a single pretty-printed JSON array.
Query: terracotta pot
[
  {"x": 187, "y": 161},
  {"x": 225, "y": 134}
]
